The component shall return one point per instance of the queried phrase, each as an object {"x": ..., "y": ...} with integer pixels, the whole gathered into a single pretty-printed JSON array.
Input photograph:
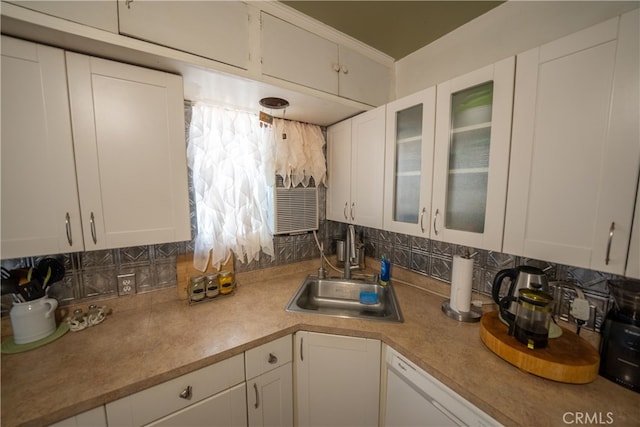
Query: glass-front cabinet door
[
  {"x": 409, "y": 162},
  {"x": 471, "y": 156}
]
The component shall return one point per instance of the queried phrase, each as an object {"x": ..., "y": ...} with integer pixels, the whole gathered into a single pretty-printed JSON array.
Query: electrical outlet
[{"x": 126, "y": 284}]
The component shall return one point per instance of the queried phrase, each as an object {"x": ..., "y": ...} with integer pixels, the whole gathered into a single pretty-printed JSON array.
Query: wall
[{"x": 507, "y": 30}]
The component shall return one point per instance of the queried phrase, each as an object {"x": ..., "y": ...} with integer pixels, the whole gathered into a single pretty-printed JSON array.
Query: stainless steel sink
[{"x": 342, "y": 298}]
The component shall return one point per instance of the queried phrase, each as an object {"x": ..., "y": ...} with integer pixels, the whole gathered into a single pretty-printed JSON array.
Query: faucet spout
[{"x": 350, "y": 249}]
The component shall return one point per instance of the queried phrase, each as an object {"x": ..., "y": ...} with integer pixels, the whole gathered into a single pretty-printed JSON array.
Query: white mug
[{"x": 33, "y": 320}]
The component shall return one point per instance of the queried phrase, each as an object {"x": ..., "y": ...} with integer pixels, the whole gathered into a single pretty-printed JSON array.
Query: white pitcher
[{"x": 33, "y": 320}]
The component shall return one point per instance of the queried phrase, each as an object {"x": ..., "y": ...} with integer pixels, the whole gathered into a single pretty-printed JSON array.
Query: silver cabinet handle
[
  {"x": 422, "y": 218},
  {"x": 353, "y": 205},
  {"x": 128, "y": 3},
  {"x": 67, "y": 225},
  {"x": 612, "y": 229},
  {"x": 435, "y": 217},
  {"x": 344, "y": 211},
  {"x": 301, "y": 353},
  {"x": 344, "y": 69},
  {"x": 336, "y": 67},
  {"x": 273, "y": 359},
  {"x": 92, "y": 221},
  {"x": 186, "y": 393},
  {"x": 257, "y": 404}
]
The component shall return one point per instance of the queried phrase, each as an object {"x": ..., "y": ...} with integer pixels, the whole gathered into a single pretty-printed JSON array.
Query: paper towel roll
[{"x": 461, "y": 283}]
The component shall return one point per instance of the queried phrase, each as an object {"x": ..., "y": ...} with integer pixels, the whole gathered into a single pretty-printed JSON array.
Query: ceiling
[{"x": 396, "y": 28}]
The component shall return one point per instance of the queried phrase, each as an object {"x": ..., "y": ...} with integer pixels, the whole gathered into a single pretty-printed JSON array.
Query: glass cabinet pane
[
  {"x": 408, "y": 165},
  {"x": 468, "y": 170}
]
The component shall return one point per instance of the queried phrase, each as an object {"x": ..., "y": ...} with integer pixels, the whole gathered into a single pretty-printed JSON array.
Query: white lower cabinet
[
  {"x": 92, "y": 418},
  {"x": 270, "y": 384},
  {"x": 415, "y": 398},
  {"x": 337, "y": 380},
  {"x": 214, "y": 396}
]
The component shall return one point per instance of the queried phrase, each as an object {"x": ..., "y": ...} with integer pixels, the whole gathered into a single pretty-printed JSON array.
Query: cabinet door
[
  {"x": 92, "y": 418},
  {"x": 225, "y": 409},
  {"x": 270, "y": 398},
  {"x": 362, "y": 79},
  {"x": 409, "y": 161},
  {"x": 40, "y": 210},
  {"x": 576, "y": 148},
  {"x": 473, "y": 131},
  {"x": 338, "y": 380},
  {"x": 367, "y": 168},
  {"x": 217, "y": 30},
  {"x": 102, "y": 14},
  {"x": 633, "y": 260},
  {"x": 339, "y": 171},
  {"x": 299, "y": 56},
  {"x": 130, "y": 150}
]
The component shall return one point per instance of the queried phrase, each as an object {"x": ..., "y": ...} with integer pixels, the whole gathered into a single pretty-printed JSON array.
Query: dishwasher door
[
  {"x": 407, "y": 406},
  {"x": 415, "y": 398}
]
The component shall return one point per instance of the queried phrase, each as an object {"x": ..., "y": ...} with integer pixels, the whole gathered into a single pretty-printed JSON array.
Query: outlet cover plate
[{"x": 126, "y": 284}]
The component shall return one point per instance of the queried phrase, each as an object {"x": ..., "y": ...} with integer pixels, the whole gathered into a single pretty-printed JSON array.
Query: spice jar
[
  {"x": 225, "y": 279},
  {"x": 212, "y": 285},
  {"x": 197, "y": 288}
]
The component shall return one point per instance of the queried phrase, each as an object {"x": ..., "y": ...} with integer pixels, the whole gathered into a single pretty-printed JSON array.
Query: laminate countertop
[{"x": 154, "y": 337}]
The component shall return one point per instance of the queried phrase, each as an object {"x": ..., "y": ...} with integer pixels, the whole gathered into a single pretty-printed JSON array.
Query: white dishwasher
[{"x": 415, "y": 398}]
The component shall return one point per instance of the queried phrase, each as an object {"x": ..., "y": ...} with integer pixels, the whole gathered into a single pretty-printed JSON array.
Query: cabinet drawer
[
  {"x": 268, "y": 356},
  {"x": 158, "y": 401}
]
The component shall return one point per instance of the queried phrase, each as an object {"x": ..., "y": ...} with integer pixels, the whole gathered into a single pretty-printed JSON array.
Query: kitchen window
[{"x": 234, "y": 159}]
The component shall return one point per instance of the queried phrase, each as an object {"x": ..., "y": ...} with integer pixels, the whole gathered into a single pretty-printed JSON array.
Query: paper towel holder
[{"x": 473, "y": 315}]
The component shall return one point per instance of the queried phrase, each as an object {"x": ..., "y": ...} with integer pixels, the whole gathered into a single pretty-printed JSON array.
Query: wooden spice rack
[{"x": 185, "y": 270}]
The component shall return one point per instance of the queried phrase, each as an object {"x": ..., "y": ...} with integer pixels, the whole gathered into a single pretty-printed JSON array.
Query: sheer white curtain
[
  {"x": 232, "y": 160},
  {"x": 300, "y": 155}
]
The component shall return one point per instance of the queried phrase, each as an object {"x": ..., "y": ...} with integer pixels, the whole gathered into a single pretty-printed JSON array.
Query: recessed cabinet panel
[{"x": 217, "y": 30}]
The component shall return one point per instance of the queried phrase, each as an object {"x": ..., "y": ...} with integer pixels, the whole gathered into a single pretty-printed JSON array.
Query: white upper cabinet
[
  {"x": 408, "y": 163},
  {"x": 576, "y": 148},
  {"x": 217, "y": 30},
  {"x": 130, "y": 151},
  {"x": 471, "y": 158},
  {"x": 299, "y": 56},
  {"x": 40, "y": 210},
  {"x": 102, "y": 14},
  {"x": 355, "y": 161}
]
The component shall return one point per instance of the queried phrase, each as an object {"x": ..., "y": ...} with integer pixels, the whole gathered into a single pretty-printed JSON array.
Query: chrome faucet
[{"x": 350, "y": 250}]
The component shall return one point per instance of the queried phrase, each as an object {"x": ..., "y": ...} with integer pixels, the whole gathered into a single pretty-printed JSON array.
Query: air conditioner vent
[{"x": 295, "y": 210}]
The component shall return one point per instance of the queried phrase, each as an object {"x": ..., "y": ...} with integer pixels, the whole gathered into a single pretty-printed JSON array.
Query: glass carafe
[{"x": 533, "y": 316}]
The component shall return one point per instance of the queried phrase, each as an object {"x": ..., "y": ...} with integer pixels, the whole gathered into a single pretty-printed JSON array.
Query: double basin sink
[{"x": 349, "y": 298}]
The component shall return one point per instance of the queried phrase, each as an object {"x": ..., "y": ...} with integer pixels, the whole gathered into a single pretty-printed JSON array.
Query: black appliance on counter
[{"x": 620, "y": 347}]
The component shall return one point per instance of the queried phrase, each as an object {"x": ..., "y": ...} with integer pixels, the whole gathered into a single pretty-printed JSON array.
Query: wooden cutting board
[{"x": 568, "y": 359}]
